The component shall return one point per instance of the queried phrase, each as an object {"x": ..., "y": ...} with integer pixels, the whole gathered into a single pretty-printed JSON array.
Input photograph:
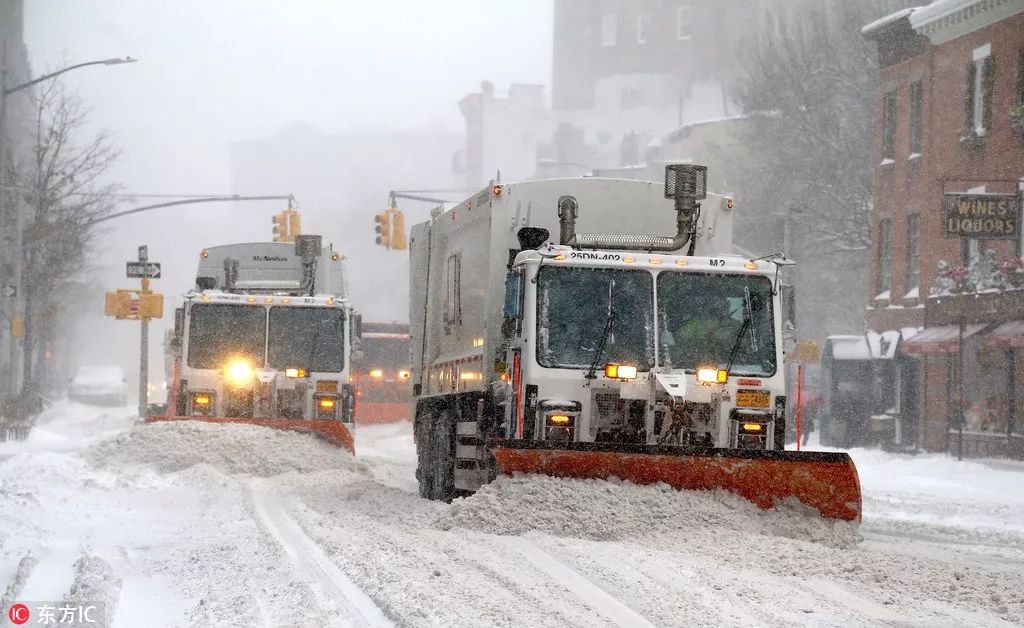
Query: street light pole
[{"x": 17, "y": 309}]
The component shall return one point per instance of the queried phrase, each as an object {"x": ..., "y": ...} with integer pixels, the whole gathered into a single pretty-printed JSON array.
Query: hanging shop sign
[{"x": 986, "y": 216}]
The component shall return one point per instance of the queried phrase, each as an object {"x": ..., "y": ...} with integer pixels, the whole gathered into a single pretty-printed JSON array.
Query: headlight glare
[{"x": 239, "y": 372}]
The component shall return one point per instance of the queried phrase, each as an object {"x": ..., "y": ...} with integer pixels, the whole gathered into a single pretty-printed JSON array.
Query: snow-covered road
[{"x": 202, "y": 525}]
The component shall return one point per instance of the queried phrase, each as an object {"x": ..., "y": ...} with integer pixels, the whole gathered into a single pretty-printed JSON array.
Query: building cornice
[{"x": 945, "y": 20}]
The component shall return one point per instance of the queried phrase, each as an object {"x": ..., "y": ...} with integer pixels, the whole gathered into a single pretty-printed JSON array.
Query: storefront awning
[
  {"x": 1007, "y": 336},
  {"x": 938, "y": 340}
]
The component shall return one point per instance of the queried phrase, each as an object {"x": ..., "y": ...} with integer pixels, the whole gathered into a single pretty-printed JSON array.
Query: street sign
[
  {"x": 143, "y": 253},
  {"x": 807, "y": 352},
  {"x": 10, "y": 291},
  {"x": 143, "y": 270}
]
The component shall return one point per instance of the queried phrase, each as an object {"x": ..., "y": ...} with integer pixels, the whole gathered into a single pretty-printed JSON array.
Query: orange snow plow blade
[
  {"x": 825, "y": 481},
  {"x": 333, "y": 432}
]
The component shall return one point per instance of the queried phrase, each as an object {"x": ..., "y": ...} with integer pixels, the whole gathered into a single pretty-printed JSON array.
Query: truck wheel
[
  {"x": 443, "y": 450},
  {"x": 424, "y": 449}
]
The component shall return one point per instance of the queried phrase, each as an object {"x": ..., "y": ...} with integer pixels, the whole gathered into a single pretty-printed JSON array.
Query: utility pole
[
  {"x": 6, "y": 205},
  {"x": 144, "y": 342}
]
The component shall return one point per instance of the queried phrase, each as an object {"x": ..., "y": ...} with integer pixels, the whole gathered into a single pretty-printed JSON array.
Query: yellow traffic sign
[
  {"x": 807, "y": 352},
  {"x": 134, "y": 305}
]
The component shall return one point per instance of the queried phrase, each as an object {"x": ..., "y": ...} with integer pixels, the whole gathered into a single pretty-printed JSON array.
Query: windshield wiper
[
  {"x": 748, "y": 323},
  {"x": 604, "y": 336}
]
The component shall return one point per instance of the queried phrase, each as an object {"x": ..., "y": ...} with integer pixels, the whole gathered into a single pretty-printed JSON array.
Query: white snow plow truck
[
  {"x": 267, "y": 338},
  {"x": 651, "y": 358}
]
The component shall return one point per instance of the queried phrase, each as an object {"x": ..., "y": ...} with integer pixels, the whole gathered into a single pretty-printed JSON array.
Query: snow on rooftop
[
  {"x": 940, "y": 9},
  {"x": 882, "y": 22},
  {"x": 681, "y": 131}
]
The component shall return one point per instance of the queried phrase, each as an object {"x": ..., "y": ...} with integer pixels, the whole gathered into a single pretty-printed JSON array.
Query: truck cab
[
  {"x": 268, "y": 333},
  {"x": 643, "y": 348}
]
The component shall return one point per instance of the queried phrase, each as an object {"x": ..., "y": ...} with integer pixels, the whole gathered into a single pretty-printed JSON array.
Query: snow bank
[
  {"x": 67, "y": 426},
  {"x": 17, "y": 583},
  {"x": 96, "y": 582},
  {"x": 233, "y": 449},
  {"x": 614, "y": 510}
]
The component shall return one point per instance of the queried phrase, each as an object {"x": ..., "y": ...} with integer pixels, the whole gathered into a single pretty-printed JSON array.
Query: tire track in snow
[
  {"x": 586, "y": 590},
  {"x": 335, "y": 591}
]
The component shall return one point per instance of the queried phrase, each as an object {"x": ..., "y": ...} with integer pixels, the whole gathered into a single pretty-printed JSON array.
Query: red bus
[{"x": 381, "y": 375}]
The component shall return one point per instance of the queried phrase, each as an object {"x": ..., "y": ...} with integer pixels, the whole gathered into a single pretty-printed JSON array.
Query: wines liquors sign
[{"x": 985, "y": 216}]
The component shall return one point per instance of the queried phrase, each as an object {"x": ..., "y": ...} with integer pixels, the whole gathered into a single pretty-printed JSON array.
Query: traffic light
[
  {"x": 280, "y": 221},
  {"x": 294, "y": 225},
  {"x": 398, "y": 241},
  {"x": 383, "y": 229}
]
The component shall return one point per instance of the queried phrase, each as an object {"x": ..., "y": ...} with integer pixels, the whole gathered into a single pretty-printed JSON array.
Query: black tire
[
  {"x": 424, "y": 449},
  {"x": 443, "y": 454}
]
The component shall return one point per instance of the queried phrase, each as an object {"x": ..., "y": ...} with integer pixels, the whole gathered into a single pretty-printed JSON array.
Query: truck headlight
[
  {"x": 619, "y": 371},
  {"x": 239, "y": 373},
  {"x": 202, "y": 403},
  {"x": 294, "y": 373},
  {"x": 712, "y": 375},
  {"x": 559, "y": 419},
  {"x": 559, "y": 426},
  {"x": 325, "y": 407}
]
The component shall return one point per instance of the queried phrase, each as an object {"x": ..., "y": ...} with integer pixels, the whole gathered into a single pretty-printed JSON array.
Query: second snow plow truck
[
  {"x": 645, "y": 357},
  {"x": 267, "y": 338}
]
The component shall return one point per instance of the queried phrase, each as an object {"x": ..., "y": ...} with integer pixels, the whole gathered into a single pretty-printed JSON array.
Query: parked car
[{"x": 98, "y": 385}]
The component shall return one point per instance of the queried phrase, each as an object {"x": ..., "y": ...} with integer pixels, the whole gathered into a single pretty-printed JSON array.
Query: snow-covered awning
[
  {"x": 1007, "y": 336},
  {"x": 849, "y": 347},
  {"x": 938, "y": 340},
  {"x": 883, "y": 344}
]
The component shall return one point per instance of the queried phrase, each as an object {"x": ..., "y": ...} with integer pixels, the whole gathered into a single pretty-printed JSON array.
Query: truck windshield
[
  {"x": 218, "y": 333},
  {"x": 701, "y": 317},
  {"x": 573, "y": 309},
  {"x": 312, "y": 338}
]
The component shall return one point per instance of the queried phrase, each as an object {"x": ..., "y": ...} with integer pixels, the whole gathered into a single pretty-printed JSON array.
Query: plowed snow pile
[
  {"x": 614, "y": 510},
  {"x": 234, "y": 449}
]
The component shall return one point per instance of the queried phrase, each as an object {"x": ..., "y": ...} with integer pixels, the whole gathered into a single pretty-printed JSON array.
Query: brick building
[{"x": 949, "y": 120}]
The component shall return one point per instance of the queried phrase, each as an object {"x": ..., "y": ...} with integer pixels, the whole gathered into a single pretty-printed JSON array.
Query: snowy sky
[{"x": 211, "y": 73}]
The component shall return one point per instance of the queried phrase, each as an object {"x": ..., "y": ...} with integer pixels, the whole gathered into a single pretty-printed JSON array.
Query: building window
[
  {"x": 980, "y": 76},
  {"x": 889, "y": 125},
  {"x": 608, "y": 25},
  {"x": 916, "y": 117},
  {"x": 684, "y": 23},
  {"x": 643, "y": 22},
  {"x": 913, "y": 251},
  {"x": 884, "y": 266}
]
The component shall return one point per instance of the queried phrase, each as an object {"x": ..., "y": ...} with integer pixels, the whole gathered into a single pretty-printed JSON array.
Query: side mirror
[
  {"x": 513, "y": 288},
  {"x": 787, "y": 295},
  {"x": 357, "y": 336}
]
